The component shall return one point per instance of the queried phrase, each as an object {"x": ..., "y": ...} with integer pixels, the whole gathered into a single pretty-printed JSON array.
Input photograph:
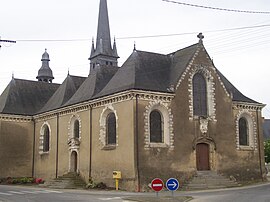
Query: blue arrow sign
[{"x": 172, "y": 184}]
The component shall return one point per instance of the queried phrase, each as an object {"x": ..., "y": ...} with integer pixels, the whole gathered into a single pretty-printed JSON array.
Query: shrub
[{"x": 96, "y": 185}]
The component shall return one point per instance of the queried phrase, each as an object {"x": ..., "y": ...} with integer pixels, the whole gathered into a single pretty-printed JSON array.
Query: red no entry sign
[{"x": 157, "y": 184}]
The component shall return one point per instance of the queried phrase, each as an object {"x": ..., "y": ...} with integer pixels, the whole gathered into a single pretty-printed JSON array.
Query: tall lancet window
[
  {"x": 156, "y": 127},
  {"x": 243, "y": 132},
  {"x": 199, "y": 95},
  {"x": 76, "y": 129},
  {"x": 111, "y": 129},
  {"x": 46, "y": 139}
]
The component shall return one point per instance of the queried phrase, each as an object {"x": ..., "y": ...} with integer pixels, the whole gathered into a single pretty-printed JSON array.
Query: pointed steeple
[
  {"x": 115, "y": 49},
  {"x": 45, "y": 73},
  {"x": 103, "y": 33},
  {"x": 92, "y": 48},
  {"x": 103, "y": 53}
]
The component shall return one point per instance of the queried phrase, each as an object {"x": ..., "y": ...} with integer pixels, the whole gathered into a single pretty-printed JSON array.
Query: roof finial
[
  {"x": 12, "y": 75},
  {"x": 134, "y": 48},
  {"x": 68, "y": 71},
  {"x": 200, "y": 36}
]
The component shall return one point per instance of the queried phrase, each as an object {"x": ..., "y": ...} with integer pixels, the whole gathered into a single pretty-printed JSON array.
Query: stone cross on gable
[{"x": 200, "y": 36}]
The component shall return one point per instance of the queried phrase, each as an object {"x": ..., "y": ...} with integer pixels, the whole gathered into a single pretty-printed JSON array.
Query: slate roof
[
  {"x": 181, "y": 59},
  {"x": 158, "y": 72},
  {"x": 266, "y": 129},
  {"x": 141, "y": 71},
  {"x": 93, "y": 84},
  {"x": 66, "y": 90},
  {"x": 24, "y": 97},
  {"x": 237, "y": 95}
]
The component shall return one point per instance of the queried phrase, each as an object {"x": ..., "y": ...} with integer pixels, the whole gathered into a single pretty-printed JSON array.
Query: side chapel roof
[
  {"x": 93, "y": 84},
  {"x": 66, "y": 90},
  {"x": 24, "y": 97}
]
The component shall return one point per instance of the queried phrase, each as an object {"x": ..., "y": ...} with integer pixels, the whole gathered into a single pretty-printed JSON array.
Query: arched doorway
[
  {"x": 73, "y": 162},
  {"x": 202, "y": 156}
]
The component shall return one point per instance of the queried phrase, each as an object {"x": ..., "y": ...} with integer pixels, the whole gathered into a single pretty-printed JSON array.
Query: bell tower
[
  {"x": 103, "y": 53},
  {"x": 45, "y": 73}
]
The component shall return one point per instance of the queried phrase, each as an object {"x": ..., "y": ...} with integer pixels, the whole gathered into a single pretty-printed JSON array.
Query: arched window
[
  {"x": 76, "y": 129},
  {"x": 199, "y": 95},
  {"x": 243, "y": 132},
  {"x": 156, "y": 127},
  {"x": 111, "y": 129},
  {"x": 46, "y": 139}
]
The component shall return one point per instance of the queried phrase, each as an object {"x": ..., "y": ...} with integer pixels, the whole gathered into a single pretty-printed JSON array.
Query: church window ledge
[
  {"x": 109, "y": 147},
  {"x": 246, "y": 148},
  {"x": 44, "y": 153},
  {"x": 158, "y": 145}
]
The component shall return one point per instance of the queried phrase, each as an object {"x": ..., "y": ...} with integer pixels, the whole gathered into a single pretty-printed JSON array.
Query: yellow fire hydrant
[{"x": 117, "y": 176}]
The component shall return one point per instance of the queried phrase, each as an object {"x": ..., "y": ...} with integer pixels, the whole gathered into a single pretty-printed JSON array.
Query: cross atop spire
[
  {"x": 103, "y": 53},
  {"x": 201, "y": 37}
]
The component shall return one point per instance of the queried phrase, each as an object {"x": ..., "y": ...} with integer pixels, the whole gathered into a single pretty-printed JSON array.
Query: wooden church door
[{"x": 202, "y": 156}]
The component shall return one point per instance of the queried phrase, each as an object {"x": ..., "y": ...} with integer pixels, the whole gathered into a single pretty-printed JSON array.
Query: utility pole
[{"x": 6, "y": 41}]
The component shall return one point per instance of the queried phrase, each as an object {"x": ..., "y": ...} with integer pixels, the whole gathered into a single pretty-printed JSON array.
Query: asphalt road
[{"x": 258, "y": 193}]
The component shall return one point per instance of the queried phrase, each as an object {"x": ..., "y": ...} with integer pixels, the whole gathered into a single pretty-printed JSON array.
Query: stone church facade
[{"x": 155, "y": 116}]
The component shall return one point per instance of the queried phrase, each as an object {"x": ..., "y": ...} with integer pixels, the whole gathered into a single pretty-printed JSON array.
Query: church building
[{"x": 158, "y": 115}]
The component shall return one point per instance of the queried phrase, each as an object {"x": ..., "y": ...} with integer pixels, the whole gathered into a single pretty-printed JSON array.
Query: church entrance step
[
  {"x": 209, "y": 180},
  {"x": 66, "y": 181}
]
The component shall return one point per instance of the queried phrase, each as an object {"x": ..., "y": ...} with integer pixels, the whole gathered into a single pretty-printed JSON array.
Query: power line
[
  {"x": 6, "y": 41},
  {"x": 147, "y": 36},
  {"x": 216, "y": 8},
  {"x": 51, "y": 40}
]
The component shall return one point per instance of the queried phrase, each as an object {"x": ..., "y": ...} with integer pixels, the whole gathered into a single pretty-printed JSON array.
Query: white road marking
[
  {"x": 28, "y": 192},
  {"x": 15, "y": 192},
  {"x": 109, "y": 199},
  {"x": 47, "y": 191},
  {"x": 6, "y": 194},
  {"x": 53, "y": 191},
  {"x": 9, "y": 193}
]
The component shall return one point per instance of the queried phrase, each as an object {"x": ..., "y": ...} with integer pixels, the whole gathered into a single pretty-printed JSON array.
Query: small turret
[{"x": 45, "y": 73}]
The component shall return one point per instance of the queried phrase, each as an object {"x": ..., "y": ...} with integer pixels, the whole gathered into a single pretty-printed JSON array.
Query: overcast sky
[{"x": 242, "y": 55}]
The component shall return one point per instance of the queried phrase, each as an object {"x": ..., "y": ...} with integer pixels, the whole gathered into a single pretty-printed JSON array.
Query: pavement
[
  {"x": 164, "y": 198},
  {"x": 158, "y": 199}
]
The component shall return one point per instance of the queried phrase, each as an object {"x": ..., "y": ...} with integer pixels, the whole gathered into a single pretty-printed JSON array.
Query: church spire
[
  {"x": 103, "y": 42},
  {"x": 103, "y": 53},
  {"x": 45, "y": 73}
]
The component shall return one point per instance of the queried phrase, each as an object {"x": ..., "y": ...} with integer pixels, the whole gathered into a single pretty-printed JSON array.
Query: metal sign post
[
  {"x": 157, "y": 185},
  {"x": 172, "y": 185}
]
